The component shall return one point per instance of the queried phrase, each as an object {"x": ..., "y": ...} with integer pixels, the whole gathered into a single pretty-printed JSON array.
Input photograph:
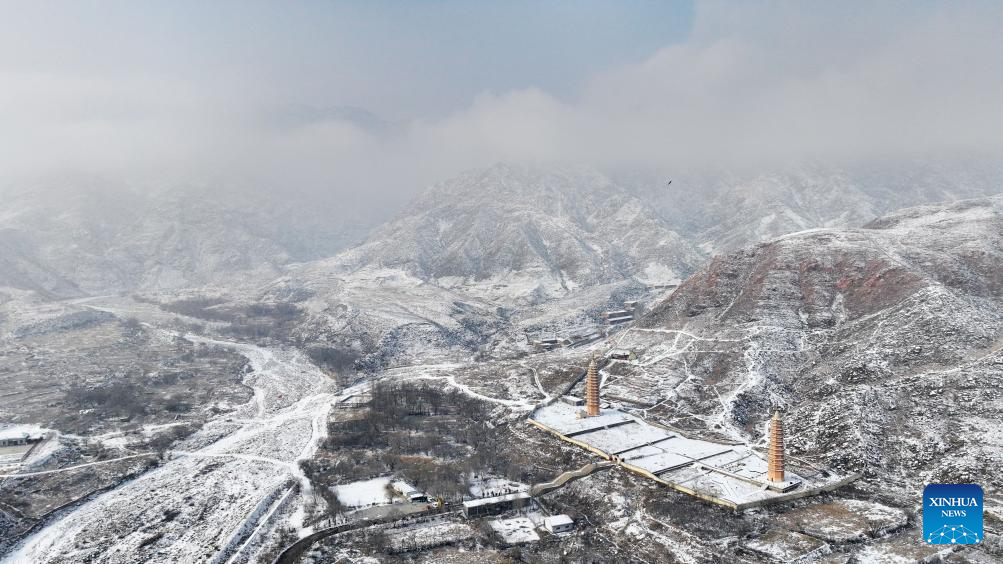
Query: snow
[
  {"x": 557, "y": 522},
  {"x": 229, "y": 472},
  {"x": 788, "y": 546},
  {"x": 656, "y": 273},
  {"x": 496, "y": 499},
  {"x": 43, "y": 451},
  {"x": 364, "y": 493},
  {"x": 846, "y": 520},
  {"x": 465, "y": 389},
  {"x": 14, "y": 456},
  {"x": 481, "y": 486},
  {"x": 406, "y": 489},
  {"x": 70, "y": 468},
  {"x": 11, "y": 456},
  {"x": 517, "y": 530},
  {"x": 428, "y": 534},
  {"x": 21, "y": 431},
  {"x": 732, "y": 473},
  {"x": 623, "y": 438},
  {"x": 218, "y": 483},
  {"x": 563, "y": 418}
]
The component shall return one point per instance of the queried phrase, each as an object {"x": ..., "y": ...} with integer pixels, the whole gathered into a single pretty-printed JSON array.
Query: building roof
[
  {"x": 404, "y": 487},
  {"x": 496, "y": 499},
  {"x": 619, "y": 317},
  {"x": 558, "y": 520},
  {"x": 21, "y": 432},
  {"x": 731, "y": 473}
]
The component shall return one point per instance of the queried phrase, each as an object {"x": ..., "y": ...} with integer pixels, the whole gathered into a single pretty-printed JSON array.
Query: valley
[
  {"x": 382, "y": 282},
  {"x": 219, "y": 423}
]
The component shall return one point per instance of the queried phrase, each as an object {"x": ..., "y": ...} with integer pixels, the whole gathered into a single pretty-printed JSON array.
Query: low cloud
[{"x": 754, "y": 85}]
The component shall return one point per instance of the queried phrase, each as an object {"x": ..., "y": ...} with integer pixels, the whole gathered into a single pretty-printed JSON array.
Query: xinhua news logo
[{"x": 952, "y": 514}]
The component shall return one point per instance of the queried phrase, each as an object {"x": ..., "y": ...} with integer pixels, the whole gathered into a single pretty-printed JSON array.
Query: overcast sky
[{"x": 390, "y": 96}]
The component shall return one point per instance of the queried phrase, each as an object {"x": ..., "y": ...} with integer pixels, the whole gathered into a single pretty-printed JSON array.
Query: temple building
[
  {"x": 592, "y": 390},
  {"x": 729, "y": 473},
  {"x": 775, "y": 456}
]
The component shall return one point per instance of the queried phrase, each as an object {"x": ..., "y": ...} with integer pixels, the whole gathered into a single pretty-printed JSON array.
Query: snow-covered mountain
[
  {"x": 484, "y": 253},
  {"x": 543, "y": 247},
  {"x": 527, "y": 233},
  {"x": 68, "y": 242},
  {"x": 723, "y": 210},
  {"x": 882, "y": 343},
  {"x": 506, "y": 234}
]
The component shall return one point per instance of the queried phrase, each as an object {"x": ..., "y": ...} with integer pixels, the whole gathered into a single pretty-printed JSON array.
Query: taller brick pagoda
[
  {"x": 592, "y": 389},
  {"x": 775, "y": 456}
]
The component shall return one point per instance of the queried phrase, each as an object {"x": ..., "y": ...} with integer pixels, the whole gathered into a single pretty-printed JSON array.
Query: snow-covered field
[
  {"x": 202, "y": 503},
  {"x": 364, "y": 493}
]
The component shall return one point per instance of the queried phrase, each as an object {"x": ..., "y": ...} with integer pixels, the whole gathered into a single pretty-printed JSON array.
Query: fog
[{"x": 375, "y": 101}]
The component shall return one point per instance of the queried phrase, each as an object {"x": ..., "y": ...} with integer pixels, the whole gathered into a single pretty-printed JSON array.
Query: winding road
[{"x": 203, "y": 503}]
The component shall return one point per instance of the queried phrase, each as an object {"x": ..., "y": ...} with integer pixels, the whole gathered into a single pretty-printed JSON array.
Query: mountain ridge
[
  {"x": 861, "y": 335},
  {"x": 567, "y": 227}
]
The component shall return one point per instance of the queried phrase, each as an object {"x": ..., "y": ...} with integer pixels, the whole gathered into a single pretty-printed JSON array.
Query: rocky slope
[
  {"x": 527, "y": 247},
  {"x": 507, "y": 233},
  {"x": 476, "y": 259},
  {"x": 527, "y": 234},
  {"x": 724, "y": 210},
  {"x": 883, "y": 345}
]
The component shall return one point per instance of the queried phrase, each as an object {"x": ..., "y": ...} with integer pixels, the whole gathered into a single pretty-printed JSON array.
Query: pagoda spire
[
  {"x": 592, "y": 389},
  {"x": 775, "y": 457}
]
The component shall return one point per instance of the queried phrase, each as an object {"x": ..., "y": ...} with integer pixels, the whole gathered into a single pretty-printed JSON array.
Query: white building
[
  {"x": 409, "y": 492},
  {"x": 495, "y": 505},
  {"x": 622, "y": 354},
  {"x": 559, "y": 524},
  {"x": 18, "y": 435}
]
